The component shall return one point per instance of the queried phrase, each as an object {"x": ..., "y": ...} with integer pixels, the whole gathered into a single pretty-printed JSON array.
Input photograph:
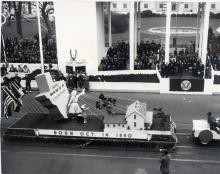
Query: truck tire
[{"x": 205, "y": 137}]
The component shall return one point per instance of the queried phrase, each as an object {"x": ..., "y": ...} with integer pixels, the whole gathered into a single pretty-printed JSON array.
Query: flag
[
  {"x": 16, "y": 89},
  {"x": 8, "y": 106},
  {"x": 12, "y": 95}
]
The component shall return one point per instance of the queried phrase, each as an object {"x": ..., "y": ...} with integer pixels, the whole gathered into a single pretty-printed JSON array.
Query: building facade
[{"x": 158, "y": 7}]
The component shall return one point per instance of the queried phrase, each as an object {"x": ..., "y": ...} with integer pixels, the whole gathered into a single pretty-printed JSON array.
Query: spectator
[
  {"x": 75, "y": 80},
  {"x": 61, "y": 76},
  {"x": 50, "y": 66},
  {"x": 28, "y": 83},
  {"x": 3, "y": 70},
  {"x": 12, "y": 69},
  {"x": 72, "y": 81},
  {"x": 26, "y": 69},
  {"x": 20, "y": 69},
  {"x": 86, "y": 82},
  {"x": 81, "y": 80}
]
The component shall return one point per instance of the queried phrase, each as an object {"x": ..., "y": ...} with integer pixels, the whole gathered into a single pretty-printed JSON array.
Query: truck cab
[{"x": 207, "y": 130}]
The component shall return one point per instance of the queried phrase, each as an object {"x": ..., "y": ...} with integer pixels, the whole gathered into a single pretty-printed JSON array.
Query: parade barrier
[
  {"x": 125, "y": 86},
  {"x": 125, "y": 83}
]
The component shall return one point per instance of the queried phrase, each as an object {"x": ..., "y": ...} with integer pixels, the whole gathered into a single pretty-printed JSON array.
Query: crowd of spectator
[
  {"x": 151, "y": 55},
  {"x": 184, "y": 63},
  {"x": 5, "y": 69},
  {"x": 76, "y": 80},
  {"x": 215, "y": 60},
  {"x": 147, "y": 55},
  {"x": 214, "y": 49},
  {"x": 117, "y": 57},
  {"x": 20, "y": 68},
  {"x": 26, "y": 50}
]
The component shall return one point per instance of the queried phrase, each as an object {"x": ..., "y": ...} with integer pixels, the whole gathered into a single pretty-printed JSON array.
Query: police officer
[{"x": 165, "y": 162}]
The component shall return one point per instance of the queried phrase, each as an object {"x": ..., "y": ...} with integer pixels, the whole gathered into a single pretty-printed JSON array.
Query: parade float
[{"x": 135, "y": 128}]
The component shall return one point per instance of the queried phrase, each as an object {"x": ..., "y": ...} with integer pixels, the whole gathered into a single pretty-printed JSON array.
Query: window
[
  {"x": 134, "y": 116},
  {"x": 119, "y": 125},
  {"x": 113, "y": 125},
  {"x": 161, "y": 6},
  {"x": 213, "y": 6},
  {"x": 173, "y": 7},
  {"x": 145, "y": 5},
  {"x": 107, "y": 125},
  {"x": 125, "y": 6},
  {"x": 114, "y": 5},
  {"x": 123, "y": 125},
  {"x": 186, "y": 5},
  {"x": 134, "y": 124}
]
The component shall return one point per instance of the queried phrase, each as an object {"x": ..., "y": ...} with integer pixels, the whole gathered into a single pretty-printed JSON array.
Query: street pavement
[
  {"x": 189, "y": 157},
  {"x": 34, "y": 159}
]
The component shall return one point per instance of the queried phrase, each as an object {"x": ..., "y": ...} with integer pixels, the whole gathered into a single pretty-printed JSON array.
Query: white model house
[{"x": 136, "y": 118}]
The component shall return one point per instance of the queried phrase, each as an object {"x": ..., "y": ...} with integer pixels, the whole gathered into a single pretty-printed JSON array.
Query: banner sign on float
[
  {"x": 192, "y": 85},
  {"x": 145, "y": 135},
  {"x": 53, "y": 95}
]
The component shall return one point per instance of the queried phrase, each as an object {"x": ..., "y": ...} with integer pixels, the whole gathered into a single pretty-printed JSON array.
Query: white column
[
  {"x": 131, "y": 36},
  {"x": 135, "y": 29},
  {"x": 109, "y": 24},
  {"x": 197, "y": 28},
  {"x": 1, "y": 30},
  {"x": 167, "y": 41},
  {"x": 201, "y": 29},
  {"x": 40, "y": 39},
  {"x": 205, "y": 31},
  {"x": 101, "y": 31}
]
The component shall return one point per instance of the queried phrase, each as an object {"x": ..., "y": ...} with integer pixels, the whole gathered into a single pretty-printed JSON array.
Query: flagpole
[
  {"x": 40, "y": 39},
  {"x": 0, "y": 79},
  {"x": 1, "y": 22}
]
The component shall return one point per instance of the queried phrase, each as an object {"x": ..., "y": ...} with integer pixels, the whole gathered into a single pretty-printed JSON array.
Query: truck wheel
[{"x": 205, "y": 137}]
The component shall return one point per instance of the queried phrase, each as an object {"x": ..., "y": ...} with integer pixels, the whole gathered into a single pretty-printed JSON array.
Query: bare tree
[
  {"x": 9, "y": 13},
  {"x": 46, "y": 9},
  {"x": 18, "y": 9}
]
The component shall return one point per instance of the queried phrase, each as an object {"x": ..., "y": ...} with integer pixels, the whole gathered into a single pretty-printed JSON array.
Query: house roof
[
  {"x": 115, "y": 119},
  {"x": 137, "y": 107}
]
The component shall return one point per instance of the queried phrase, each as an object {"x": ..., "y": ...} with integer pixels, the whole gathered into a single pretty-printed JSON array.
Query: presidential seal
[{"x": 186, "y": 85}]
